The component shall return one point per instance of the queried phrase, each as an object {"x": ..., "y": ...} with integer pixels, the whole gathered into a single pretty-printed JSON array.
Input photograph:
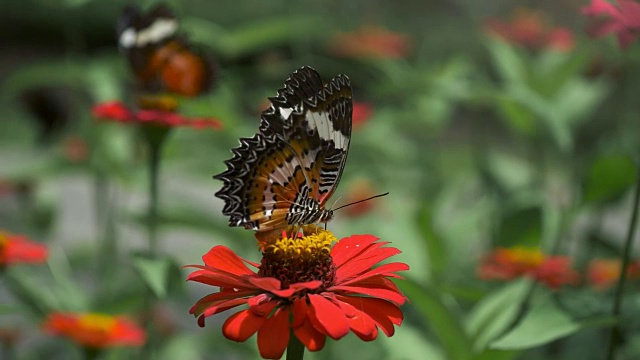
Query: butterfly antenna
[
  {"x": 363, "y": 200},
  {"x": 335, "y": 202}
]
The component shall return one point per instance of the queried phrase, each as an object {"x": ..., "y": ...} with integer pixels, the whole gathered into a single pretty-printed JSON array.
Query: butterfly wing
[{"x": 285, "y": 173}]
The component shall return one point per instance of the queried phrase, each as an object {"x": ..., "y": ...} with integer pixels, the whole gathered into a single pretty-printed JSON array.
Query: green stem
[
  {"x": 154, "y": 164},
  {"x": 616, "y": 330},
  {"x": 295, "y": 349}
]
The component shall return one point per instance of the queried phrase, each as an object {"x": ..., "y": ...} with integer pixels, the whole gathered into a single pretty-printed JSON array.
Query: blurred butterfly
[
  {"x": 161, "y": 60},
  {"x": 285, "y": 173}
]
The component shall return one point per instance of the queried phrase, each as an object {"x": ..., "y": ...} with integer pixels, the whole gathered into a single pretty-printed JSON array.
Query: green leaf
[
  {"x": 496, "y": 312},
  {"x": 410, "y": 343},
  {"x": 521, "y": 227},
  {"x": 69, "y": 295},
  {"x": 252, "y": 37},
  {"x": 510, "y": 171},
  {"x": 436, "y": 247},
  {"x": 440, "y": 319},
  {"x": 609, "y": 177},
  {"x": 508, "y": 61},
  {"x": 544, "y": 324},
  {"x": 155, "y": 272}
]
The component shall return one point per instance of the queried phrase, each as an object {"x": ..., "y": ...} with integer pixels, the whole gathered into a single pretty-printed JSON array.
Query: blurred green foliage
[{"x": 480, "y": 142}]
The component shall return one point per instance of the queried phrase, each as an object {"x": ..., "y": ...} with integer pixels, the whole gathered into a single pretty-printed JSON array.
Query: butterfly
[
  {"x": 286, "y": 172},
  {"x": 161, "y": 60}
]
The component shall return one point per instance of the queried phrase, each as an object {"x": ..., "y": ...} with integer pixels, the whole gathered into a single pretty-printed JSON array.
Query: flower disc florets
[{"x": 299, "y": 258}]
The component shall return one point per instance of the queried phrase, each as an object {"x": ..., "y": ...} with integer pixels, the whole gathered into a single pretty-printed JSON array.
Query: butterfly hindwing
[{"x": 285, "y": 173}]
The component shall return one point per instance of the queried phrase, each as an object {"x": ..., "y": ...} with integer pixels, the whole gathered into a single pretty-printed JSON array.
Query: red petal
[
  {"x": 347, "y": 248},
  {"x": 221, "y": 279},
  {"x": 360, "y": 322},
  {"x": 312, "y": 339},
  {"x": 374, "y": 292},
  {"x": 242, "y": 325},
  {"x": 384, "y": 313},
  {"x": 309, "y": 285},
  {"x": 266, "y": 283},
  {"x": 329, "y": 316},
  {"x": 221, "y": 257},
  {"x": 216, "y": 299},
  {"x": 273, "y": 336},
  {"x": 365, "y": 260},
  {"x": 343, "y": 277}
]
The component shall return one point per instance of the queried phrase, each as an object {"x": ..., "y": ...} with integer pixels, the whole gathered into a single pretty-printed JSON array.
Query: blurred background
[{"x": 491, "y": 124}]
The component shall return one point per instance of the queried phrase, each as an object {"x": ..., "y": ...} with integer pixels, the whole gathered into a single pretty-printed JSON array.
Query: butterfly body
[{"x": 285, "y": 173}]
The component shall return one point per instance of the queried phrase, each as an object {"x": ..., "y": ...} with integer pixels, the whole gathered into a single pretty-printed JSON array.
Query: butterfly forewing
[{"x": 285, "y": 174}]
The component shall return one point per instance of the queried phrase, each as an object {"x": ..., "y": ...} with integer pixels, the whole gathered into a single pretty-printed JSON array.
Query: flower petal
[
  {"x": 273, "y": 336},
  {"x": 343, "y": 278},
  {"x": 345, "y": 249},
  {"x": 242, "y": 325},
  {"x": 371, "y": 290},
  {"x": 330, "y": 318},
  {"x": 384, "y": 313},
  {"x": 312, "y": 339},
  {"x": 221, "y": 257},
  {"x": 360, "y": 322},
  {"x": 214, "y": 300}
]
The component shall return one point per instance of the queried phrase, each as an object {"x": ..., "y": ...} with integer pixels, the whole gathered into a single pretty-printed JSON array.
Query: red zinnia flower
[
  {"x": 96, "y": 331},
  {"x": 370, "y": 41},
  {"x": 362, "y": 111},
  {"x": 623, "y": 20},
  {"x": 510, "y": 263},
  {"x": 305, "y": 285},
  {"x": 603, "y": 273},
  {"x": 555, "y": 271},
  {"x": 117, "y": 111},
  {"x": 529, "y": 29},
  {"x": 15, "y": 249}
]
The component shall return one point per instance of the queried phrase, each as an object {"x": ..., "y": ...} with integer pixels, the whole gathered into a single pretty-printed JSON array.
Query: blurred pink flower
[{"x": 623, "y": 20}]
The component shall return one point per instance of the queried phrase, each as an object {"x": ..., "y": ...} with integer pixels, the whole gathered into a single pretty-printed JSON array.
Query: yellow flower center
[
  {"x": 527, "y": 256},
  {"x": 315, "y": 240},
  {"x": 294, "y": 259},
  {"x": 97, "y": 322}
]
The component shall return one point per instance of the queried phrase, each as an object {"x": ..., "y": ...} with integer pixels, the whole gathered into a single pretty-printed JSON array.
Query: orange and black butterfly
[
  {"x": 163, "y": 61},
  {"x": 285, "y": 174}
]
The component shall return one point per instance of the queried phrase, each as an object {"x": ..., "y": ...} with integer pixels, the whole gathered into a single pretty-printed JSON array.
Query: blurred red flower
[
  {"x": 510, "y": 263},
  {"x": 370, "y": 41},
  {"x": 306, "y": 285},
  {"x": 529, "y": 29},
  {"x": 556, "y": 271},
  {"x": 604, "y": 273},
  {"x": 359, "y": 190},
  {"x": 95, "y": 331},
  {"x": 362, "y": 112},
  {"x": 17, "y": 249},
  {"x": 117, "y": 111},
  {"x": 623, "y": 20}
]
